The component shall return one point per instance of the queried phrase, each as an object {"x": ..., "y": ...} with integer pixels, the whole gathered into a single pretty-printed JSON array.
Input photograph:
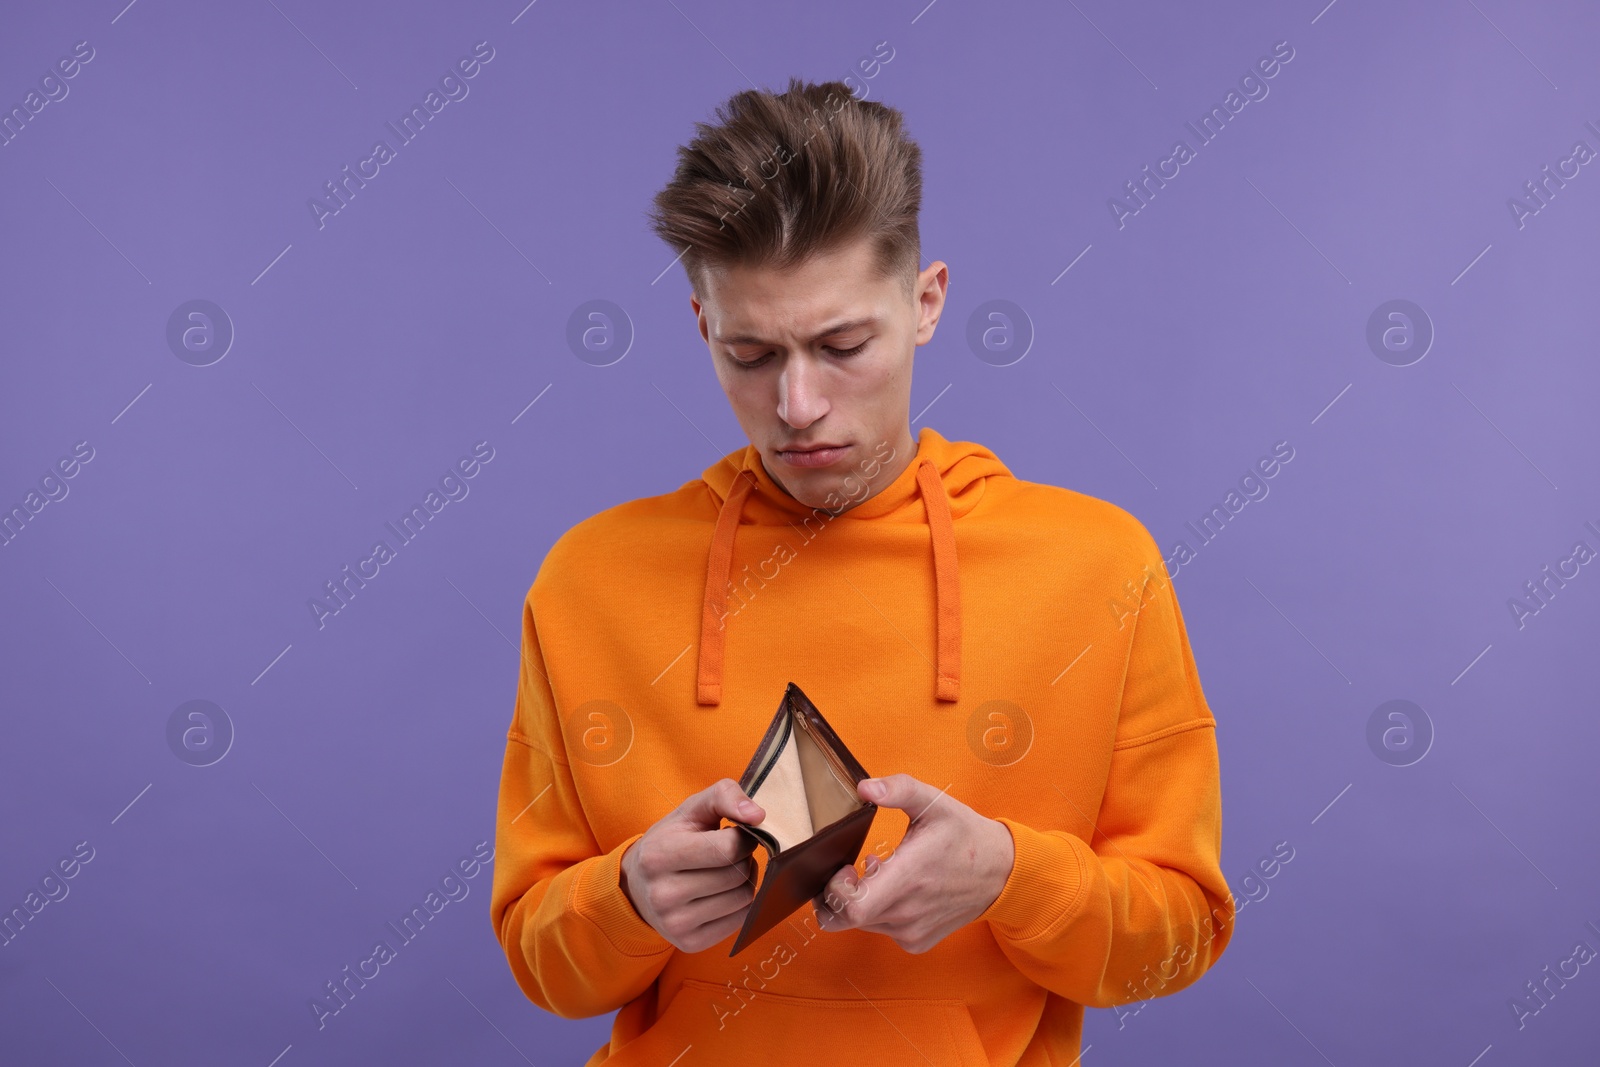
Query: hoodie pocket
[{"x": 707, "y": 1024}]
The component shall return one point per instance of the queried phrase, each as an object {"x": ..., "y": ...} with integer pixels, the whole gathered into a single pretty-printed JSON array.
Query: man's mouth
[{"x": 819, "y": 455}]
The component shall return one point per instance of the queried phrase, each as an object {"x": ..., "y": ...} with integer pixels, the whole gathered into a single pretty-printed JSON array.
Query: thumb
[
  {"x": 915, "y": 798},
  {"x": 722, "y": 799}
]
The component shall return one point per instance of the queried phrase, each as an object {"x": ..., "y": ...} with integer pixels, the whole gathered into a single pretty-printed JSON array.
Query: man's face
[{"x": 781, "y": 342}]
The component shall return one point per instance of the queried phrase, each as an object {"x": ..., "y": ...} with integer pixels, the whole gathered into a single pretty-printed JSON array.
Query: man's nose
[{"x": 800, "y": 388}]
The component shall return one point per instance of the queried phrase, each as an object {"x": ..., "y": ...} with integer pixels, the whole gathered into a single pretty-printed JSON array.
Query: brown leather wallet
[{"x": 805, "y": 781}]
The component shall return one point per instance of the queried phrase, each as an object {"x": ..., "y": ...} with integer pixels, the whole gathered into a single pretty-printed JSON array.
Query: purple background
[{"x": 369, "y": 355}]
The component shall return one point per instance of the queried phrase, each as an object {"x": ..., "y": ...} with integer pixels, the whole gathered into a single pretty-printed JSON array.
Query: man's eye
[{"x": 752, "y": 364}]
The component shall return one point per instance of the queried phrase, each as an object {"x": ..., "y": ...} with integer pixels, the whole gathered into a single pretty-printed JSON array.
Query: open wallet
[{"x": 804, "y": 779}]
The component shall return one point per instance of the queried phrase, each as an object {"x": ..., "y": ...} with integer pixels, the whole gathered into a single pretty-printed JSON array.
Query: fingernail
[
  {"x": 748, "y": 809},
  {"x": 873, "y": 788}
]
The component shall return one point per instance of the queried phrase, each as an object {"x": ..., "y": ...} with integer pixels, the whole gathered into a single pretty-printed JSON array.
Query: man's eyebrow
[{"x": 838, "y": 327}]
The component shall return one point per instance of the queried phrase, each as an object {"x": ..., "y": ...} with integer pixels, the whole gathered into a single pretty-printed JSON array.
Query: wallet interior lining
[
  {"x": 829, "y": 799},
  {"x": 801, "y": 792},
  {"x": 782, "y": 795}
]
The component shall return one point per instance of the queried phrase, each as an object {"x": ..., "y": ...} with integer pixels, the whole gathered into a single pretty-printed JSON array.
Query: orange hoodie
[{"x": 1018, "y": 644}]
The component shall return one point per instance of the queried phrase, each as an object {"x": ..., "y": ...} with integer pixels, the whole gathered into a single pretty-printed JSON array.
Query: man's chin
[{"x": 815, "y": 488}]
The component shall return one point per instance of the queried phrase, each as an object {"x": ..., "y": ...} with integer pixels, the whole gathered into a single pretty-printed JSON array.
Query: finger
[
  {"x": 713, "y": 880},
  {"x": 843, "y": 884},
  {"x": 841, "y": 915},
  {"x": 850, "y": 919},
  {"x": 717, "y": 930},
  {"x": 829, "y": 922},
  {"x": 722, "y": 799},
  {"x": 898, "y": 931},
  {"x": 717, "y": 906},
  {"x": 699, "y": 849},
  {"x": 861, "y": 901},
  {"x": 916, "y": 798},
  {"x": 843, "y": 889},
  {"x": 827, "y": 918}
]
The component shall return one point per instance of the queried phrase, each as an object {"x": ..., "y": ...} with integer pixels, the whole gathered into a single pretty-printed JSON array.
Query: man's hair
[{"x": 787, "y": 175}]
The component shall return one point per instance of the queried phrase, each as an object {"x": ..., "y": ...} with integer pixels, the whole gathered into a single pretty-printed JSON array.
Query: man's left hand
[{"x": 949, "y": 867}]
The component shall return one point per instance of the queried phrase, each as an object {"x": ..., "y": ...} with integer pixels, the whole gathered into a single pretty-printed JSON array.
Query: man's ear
[
  {"x": 932, "y": 287},
  {"x": 700, "y": 318}
]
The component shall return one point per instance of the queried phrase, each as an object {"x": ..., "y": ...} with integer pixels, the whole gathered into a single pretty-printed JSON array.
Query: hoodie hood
[{"x": 944, "y": 481}]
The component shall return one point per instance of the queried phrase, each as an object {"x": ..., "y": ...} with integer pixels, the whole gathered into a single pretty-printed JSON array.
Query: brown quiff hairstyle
[{"x": 783, "y": 176}]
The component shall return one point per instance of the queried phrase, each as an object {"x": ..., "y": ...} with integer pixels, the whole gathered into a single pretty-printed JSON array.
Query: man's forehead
[{"x": 823, "y": 296}]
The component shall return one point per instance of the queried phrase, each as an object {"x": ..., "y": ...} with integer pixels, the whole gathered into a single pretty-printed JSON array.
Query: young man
[{"x": 1007, "y": 657}]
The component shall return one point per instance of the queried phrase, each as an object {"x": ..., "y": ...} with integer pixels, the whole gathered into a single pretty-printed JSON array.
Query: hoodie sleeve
[
  {"x": 575, "y": 944},
  {"x": 1140, "y": 909}
]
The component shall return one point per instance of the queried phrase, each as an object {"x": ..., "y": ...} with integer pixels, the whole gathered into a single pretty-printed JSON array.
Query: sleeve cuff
[
  {"x": 1044, "y": 886},
  {"x": 597, "y": 895}
]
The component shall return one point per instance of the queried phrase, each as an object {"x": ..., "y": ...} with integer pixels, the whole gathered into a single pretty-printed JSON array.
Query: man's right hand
[{"x": 690, "y": 880}]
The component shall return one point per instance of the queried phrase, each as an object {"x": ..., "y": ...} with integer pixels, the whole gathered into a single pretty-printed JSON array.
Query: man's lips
[{"x": 812, "y": 455}]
